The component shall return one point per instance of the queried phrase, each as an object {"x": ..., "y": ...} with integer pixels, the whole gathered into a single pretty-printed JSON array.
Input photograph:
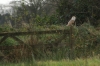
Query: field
[{"x": 77, "y": 62}]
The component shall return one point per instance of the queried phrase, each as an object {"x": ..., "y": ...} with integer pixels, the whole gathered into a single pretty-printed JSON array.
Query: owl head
[{"x": 73, "y": 18}]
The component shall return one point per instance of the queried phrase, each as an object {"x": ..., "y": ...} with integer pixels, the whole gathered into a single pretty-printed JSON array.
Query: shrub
[{"x": 9, "y": 42}]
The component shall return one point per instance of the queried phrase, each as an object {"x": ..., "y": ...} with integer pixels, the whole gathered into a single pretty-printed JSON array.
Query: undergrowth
[{"x": 85, "y": 40}]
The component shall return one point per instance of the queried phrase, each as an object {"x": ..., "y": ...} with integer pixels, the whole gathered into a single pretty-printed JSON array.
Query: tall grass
[{"x": 85, "y": 38}]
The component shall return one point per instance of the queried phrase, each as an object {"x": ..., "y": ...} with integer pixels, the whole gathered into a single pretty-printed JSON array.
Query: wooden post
[
  {"x": 71, "y": 44},
  {"x": 3, "y": 39}
]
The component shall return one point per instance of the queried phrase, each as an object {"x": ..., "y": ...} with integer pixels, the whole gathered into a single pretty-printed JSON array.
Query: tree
[
  {"x": 82, "y": 9},
  {"x": 29, "y": 10}
]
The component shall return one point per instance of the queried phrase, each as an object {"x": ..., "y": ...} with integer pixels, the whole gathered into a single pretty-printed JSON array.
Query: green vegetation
[
  {"x": 86, "y": 43},
  {"x": 79, "y": 48},
  {"x": 77, "y": 62},
  {"x": 84, "y": 10}
]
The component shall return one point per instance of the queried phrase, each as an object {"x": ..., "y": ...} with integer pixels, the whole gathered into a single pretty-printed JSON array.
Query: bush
[{"x": 9, "y": 42}]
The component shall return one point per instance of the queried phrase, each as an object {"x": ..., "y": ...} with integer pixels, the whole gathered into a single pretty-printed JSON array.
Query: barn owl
[{"x": 70, "y": 23}]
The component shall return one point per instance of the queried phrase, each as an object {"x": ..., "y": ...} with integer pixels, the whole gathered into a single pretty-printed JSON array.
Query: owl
[{"x": 71, "y": 21}]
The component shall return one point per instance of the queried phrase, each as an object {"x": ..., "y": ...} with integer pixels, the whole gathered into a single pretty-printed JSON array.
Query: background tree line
[{"x": 55, "y": 11}]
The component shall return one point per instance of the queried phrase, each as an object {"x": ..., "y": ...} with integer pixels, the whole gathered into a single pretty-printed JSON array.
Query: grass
[
  {"x": 80, "y": 34},
  {"x": 77, "y": 62}
]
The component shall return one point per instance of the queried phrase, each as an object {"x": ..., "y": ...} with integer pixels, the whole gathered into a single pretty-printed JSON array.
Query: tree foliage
[
  {"x": 82, "y": 9},
  {"x": 56, "y": 11},
  {"x": 35, "y": 11}
]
